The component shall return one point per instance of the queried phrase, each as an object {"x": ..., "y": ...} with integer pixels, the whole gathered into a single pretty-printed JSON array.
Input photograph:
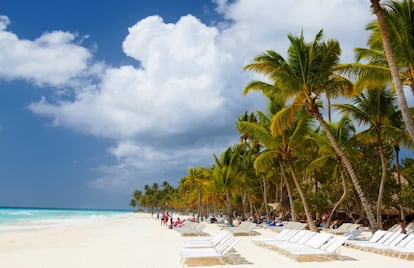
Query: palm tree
[
  {"x": 373, "y": 108},
  {"x": 193, "y": 183},
  {"x": 398, "y": 137},
  {"x": 250, "y": 148},
  {"x": 224, "y": 177},
  {"x": 343, "y": 131},
  {"x": 136, "y": 198},
  {"x": 281, "y": 148},
  {"x": 303, "y": 78},
  {"x": 379, "y": 12}
]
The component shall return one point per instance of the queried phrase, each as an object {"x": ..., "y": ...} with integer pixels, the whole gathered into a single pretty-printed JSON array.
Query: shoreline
[
  {"x": 18, "y": 219},
  {"x": 139, "y": 240}
]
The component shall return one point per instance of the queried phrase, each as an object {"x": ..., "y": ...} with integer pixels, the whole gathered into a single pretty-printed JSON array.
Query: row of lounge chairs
[
  {"x": 390, "y": 243},
  {"x": 300, "y": 245},
  {"x": 304, "y": 245}
]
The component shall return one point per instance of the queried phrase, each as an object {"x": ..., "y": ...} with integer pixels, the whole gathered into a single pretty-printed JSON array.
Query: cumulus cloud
[
  {"x": 52, "y": 59},
  {"x": 176, "y": 86},
  {"x": 179, "y": 106}
]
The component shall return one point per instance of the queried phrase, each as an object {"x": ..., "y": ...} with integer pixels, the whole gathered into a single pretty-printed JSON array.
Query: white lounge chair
[
  {"x": 291, "y": 225},
  {"x": 219, "y": 237},
  {"x": 298, "y": 237},
  {"x": 373, "y": 239},
  {"x": 403, "y": 250},
  {"x": 208, "y": 256},
  {"x": 343, "y": 228},
  {"x": 245, "y": 228},
  {"x": 190, "y": 228},
  {"x": 284, "y": 235}
]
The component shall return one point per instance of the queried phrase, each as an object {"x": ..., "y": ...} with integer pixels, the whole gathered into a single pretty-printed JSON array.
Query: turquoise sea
[{"x": 21, "y": 219}]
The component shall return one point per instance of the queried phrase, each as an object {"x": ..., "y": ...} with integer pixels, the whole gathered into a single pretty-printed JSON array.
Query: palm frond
[
  {"x": 283, "y": 120},
  {"x": 267, "y": 89},
  {"x": 259, "y": 132},
  {"x": 264, "y": 161},
  {"x": 359, "y": 116}
]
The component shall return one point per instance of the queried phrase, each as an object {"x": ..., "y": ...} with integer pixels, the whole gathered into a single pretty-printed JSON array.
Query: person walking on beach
[
  {"x": 162, "y": 218},
  {"x": 166, "y": 218}
]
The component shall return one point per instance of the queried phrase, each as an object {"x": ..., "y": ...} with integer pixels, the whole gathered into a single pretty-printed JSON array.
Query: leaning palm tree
[
  {"x": 303, "y": 78},
  {"x": 393, "y": 65}
]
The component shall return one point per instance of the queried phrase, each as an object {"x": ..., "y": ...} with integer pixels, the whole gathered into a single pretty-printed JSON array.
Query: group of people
[{"x": 166, "y": 217}]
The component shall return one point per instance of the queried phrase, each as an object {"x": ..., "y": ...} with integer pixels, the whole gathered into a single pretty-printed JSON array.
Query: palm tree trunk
[
  {"x": 329, "y": 108},
  {"x": 342, "y": 198},
  {"x": 290, "y": 195},
  {"x": 382, "y": 183},
  {"x": 198, "y": 204},
  {"x": 228, "y": 208},
  {"x": 251, "y": 207},
  {"x": 265, "y": 196},
  {"x": 402, "y": 101},
  {"x": 302, "y": 195},
  {"x": 349, "y": 168},
  {"x": 397, "y": 169},
  {"x": 243, "y": 195}
]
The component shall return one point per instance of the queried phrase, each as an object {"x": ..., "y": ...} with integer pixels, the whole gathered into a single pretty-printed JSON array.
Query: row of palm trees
[{"x": 292, "y": 155}]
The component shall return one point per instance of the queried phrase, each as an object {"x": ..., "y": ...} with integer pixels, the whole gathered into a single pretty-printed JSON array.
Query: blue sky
[{"x": 98, "y": 98}]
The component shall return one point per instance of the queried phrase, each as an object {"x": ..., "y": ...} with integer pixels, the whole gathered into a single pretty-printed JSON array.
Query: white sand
[{"x": 139, "y": 241}]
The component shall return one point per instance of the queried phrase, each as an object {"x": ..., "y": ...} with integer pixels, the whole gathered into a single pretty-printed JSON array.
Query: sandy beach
[{"x": 139, "y": 240}]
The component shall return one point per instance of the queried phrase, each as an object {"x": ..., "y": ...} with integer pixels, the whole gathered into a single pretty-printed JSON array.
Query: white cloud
[
  {"x": 180, "y": 105},
  {"x": 52, "y": 59}
]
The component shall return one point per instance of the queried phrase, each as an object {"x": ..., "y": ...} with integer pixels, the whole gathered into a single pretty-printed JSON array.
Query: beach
[{"x": 138, "y": 240}]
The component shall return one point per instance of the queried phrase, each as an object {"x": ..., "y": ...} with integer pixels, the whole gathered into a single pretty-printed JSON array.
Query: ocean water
[{"x": 21, "y": 219}]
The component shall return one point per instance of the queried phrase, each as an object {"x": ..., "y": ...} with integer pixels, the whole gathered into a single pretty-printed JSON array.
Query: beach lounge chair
[
  {"x": 343, "y": 229},
  {"x": 190, "y": 228},
  {"x": 219, "y": 237},
  {"x": 295, "y": 236},
  {"x": 395, "y": 228},
  {"x": 404, "y": 249},
  {"x": 383, "y": 245},
  {"x": 373, "y": 239},
  {"x": 284, "y": 235},
  {"x": 292, "y": 225},
  {"x": 354, "y": 234},
  {"x": 245, "y": 228},
  {"x": 208, "y": 256},
  {"x": 385, "y": 238}
]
